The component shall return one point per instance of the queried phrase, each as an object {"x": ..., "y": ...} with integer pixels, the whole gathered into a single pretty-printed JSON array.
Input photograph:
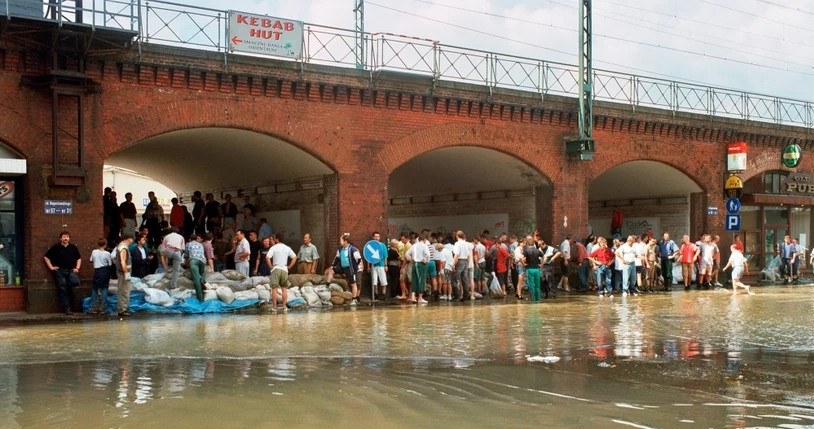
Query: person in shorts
[
  {"x": 281, "y": 259},
  {"x": 739, "y": 264},
  {"x": 348, "y": 262}
]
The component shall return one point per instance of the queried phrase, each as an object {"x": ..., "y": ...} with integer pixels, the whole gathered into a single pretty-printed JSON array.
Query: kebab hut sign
[{"x": 266, "y": 35}]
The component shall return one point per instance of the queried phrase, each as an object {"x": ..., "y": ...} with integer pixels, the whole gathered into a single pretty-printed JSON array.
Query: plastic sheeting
[{"x": 189, "y": 305}]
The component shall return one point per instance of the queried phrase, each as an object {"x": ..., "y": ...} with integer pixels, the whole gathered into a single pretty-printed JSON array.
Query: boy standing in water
[{"x": 738, "y": 263}]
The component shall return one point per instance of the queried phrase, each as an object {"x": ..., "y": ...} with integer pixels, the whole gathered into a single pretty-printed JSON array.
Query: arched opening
[
  {"x": 284, "y": 184},
  {"x": 469, "y": 188},
  {"x": 649, "y": 195}
]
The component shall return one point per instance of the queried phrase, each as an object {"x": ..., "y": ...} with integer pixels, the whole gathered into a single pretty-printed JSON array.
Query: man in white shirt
[
  {"x": 565, "y": 252},
  {"x": 172, "y": 248},
  {"x": 281, "y": 259},
  {"x": 626, "y": 255},
  {"x": 420, "y": 255},
  {"x": 739, "y": 263},
  {"x": 640, "y": 248},
  {"x": 462, "y": 253},
  {"x": 242, "y": 253}
]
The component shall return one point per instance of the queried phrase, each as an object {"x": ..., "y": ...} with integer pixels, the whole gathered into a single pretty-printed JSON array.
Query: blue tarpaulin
[{"x": 189, "y": 305}]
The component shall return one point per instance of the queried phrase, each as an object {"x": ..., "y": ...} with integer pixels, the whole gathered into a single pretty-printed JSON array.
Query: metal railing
[
  {"x": 118, "y": 14},
  {"x": 170, "y": 23}
]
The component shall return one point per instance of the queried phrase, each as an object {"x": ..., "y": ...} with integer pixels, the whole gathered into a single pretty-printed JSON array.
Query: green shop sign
[{"x": 791, "y": 155}]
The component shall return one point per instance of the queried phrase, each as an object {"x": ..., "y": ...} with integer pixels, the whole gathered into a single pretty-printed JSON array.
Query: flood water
[{"x": 695, "y": 360}]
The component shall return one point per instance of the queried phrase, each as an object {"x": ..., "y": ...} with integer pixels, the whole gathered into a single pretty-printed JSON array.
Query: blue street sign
[
  {"x": 733, "y": 222},
  {"x": 374, "y": 251},
  {"x": 733, "y": 206},
  {"x": 58, "y": 207}
]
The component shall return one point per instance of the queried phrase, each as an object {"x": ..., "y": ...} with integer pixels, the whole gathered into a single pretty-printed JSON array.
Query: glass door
[
  {"x": 775, "y": 228},
  {"x": 753, "y": 247}
]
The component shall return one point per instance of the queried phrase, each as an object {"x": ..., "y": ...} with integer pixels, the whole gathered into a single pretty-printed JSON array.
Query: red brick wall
[{"x": 362, "y": 130}]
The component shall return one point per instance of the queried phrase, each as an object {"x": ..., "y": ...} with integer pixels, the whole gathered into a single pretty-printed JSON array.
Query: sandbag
[
  {"x": 158, "y": 297},
  {"x": 310, "y": 296},
  {"x": 260, "y": 280},
  {"x": 299, "y": 280},
  {"x": 295, "y": 292},
  {"x": 225, "y": 294},
  {"x": 477, "y": 295},
  {"x": 233, "y": 275},
  {"x": 337, "y": 300},
  {"x": 210, "y": 295},
  {"x": 245, "y": 284},
  {"x": 216, "y": 277},
  {"x": 182, "y": 294},
  {"x": 324, "y": 295},
  {"x": 247, "y": 295},
  {"x": 163, "y": 284},
  {"x": 263, "y": 294},
  {"x": 347, "y": 295},
  {"x": 185, "y": 283},
  {"x": 335, "y": 287},
  {"x": 152, "y": 279},
  {"x": 342, "y": 283}
]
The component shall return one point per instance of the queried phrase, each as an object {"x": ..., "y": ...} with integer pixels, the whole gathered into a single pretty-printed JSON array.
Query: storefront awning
[{"x": 778, "y": 199}]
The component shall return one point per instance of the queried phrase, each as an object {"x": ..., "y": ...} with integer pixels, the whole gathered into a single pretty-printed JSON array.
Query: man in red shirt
[
  {"x": 177, "y": 215},
  {"x": 687, "y": 256},
  {"x": 603, "y": 258}
]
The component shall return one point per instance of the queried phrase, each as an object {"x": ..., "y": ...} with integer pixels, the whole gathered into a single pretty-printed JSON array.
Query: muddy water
[{"x": 695, "y": 360}]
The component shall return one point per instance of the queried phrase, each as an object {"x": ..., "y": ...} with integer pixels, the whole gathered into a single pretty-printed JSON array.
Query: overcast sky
[{"x": 763, "y": 46}]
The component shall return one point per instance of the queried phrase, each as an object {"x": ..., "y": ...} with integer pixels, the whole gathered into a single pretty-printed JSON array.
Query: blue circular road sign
[
  {"x": 374, "y": 251},
  {"x": 733, "y": 205}
]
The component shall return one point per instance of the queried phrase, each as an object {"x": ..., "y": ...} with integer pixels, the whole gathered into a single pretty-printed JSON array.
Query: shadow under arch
[
  {"x": 642, "y": 178},
  {"x": 490, "y": 190},
  {"x": 218, "y": 158},
  {"x": 476, "y": 136}
]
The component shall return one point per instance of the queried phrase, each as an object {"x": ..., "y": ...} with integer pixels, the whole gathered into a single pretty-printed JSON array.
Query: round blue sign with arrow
[{"x": 374, "y": 251}]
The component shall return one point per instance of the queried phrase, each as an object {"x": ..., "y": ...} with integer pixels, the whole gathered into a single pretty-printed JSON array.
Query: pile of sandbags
[{"x": 306, "y": 290}]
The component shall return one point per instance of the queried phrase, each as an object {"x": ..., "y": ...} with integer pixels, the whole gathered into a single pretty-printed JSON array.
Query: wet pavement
[{"x": 696, "y": 359}]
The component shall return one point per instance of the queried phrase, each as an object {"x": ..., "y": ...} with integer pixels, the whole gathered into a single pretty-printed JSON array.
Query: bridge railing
[
  {"x": 118, "y": 14},
  {"x": 170, "y": 23}
]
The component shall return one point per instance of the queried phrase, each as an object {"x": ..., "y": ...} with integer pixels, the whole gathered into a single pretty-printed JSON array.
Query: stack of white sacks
[{"x": 305, "y": 290}]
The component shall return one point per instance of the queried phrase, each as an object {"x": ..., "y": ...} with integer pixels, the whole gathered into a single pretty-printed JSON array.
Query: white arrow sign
[{"x": 373, "y": 252}]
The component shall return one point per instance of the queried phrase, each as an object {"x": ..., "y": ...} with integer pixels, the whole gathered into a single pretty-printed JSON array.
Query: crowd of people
[{"x": 418, "y": 267}]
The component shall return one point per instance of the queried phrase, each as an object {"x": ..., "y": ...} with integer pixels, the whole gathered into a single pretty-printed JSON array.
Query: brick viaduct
[{"x": 362, "y": 128}]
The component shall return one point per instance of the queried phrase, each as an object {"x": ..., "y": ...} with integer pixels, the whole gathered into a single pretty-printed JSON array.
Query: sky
[{"x": 757, "y": 46}]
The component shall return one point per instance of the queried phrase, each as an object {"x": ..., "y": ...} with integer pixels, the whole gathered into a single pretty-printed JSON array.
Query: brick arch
[
  {"x": 699, "y": 172},
  {"x": 152, "y": 120},
  {"x": 519, "y": 146},
  {"x": 763, "y": 162},
  {"x": 22, "y": 136}
]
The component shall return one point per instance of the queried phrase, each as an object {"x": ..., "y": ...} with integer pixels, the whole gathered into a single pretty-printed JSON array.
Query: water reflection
[{"x": 680, "y": 348}]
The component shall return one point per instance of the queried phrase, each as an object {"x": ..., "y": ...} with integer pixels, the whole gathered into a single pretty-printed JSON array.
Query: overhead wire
[
  {"x": 654, "y": 45},
  {"x": 796, "y": 9},
  {"x": 701, "y": 22},
  {"x": 758, "y": 16},
  {"x": 661, "y": 30}
]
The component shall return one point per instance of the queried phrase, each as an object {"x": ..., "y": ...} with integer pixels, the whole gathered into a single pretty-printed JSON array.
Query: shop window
[
  {"x": 771, "y": 182},
  {"x": 8, "y": 232}
]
